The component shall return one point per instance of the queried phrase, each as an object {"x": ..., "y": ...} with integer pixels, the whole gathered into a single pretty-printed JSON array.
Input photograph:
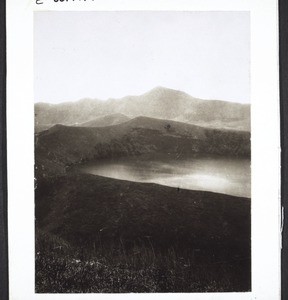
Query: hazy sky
[{"x": 113, "y": 54}]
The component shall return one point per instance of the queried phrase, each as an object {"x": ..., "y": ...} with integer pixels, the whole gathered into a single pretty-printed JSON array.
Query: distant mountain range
[{"x": 160, "y": 103}]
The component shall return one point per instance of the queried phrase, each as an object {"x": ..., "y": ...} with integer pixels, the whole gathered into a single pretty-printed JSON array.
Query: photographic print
[{"x": 142, "y": 152}]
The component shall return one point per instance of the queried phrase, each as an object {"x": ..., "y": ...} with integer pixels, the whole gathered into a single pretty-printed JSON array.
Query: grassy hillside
[
  {"x": 145, "y": 237},
  {"x": 80, "y": 204}
]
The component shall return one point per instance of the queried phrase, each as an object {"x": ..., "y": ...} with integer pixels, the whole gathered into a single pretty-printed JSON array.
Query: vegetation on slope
[
  {"x": 138, "y": 237},
  {"x": 61, "y": 268}
]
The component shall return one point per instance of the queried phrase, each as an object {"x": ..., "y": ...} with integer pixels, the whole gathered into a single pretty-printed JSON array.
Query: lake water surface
[{"x": 216, "y": 174}]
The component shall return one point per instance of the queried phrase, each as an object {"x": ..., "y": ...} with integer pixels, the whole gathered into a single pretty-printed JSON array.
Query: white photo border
[{"x": 265, "y": 116}]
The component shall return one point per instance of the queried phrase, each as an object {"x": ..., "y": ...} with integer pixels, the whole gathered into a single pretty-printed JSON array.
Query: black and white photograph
[
  {"x": 142, "y": 152},
  {"x": 143, "y": 149}
]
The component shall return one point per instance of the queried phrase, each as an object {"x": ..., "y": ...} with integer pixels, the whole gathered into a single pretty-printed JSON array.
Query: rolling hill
[
  {"x": 97, "y": 234},
  {"x": 140, "y": 210},
  {"x": 107, "y": 120},
  {"x": 67, "y": 145}
]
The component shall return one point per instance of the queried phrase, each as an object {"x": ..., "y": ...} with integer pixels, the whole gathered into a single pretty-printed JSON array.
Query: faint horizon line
[{"x": 138, "y": 95}]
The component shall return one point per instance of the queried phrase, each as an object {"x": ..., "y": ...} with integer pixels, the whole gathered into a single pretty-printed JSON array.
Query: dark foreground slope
[
  {"x": 62, "y": 146},
  {"x": 95, "y": 234}
]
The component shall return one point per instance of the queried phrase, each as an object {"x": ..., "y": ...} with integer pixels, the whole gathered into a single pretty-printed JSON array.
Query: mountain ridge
[
  {"x": 107, "y": 120},
  {"x": 161, "y": 103}
]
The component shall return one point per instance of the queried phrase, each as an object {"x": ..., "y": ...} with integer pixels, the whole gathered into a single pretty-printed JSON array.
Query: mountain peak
[
  {"x": 160, "y": 91},
  {"x": 163, "y": 89}
]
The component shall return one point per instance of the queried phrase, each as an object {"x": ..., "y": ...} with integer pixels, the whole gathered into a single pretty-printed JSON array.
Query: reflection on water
[{"x": 217, "y": 174}]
